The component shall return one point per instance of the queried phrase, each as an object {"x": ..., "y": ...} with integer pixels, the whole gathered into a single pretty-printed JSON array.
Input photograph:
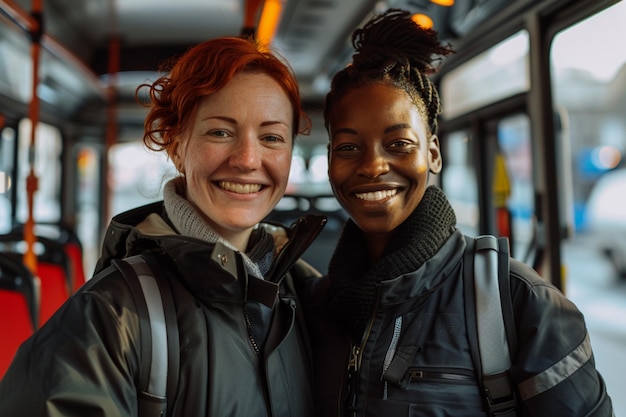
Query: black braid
[{"x": 394, "y": 49}]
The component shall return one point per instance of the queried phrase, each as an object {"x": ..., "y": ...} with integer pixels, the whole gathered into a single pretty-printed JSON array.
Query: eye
[
  {"x": 344, "y": 147},
  {"x": 273, "y": 138},
  {"x": 398, "y": 144},
  {"x": 218, "y": 133},
  {"x": 402, "y": 145}
]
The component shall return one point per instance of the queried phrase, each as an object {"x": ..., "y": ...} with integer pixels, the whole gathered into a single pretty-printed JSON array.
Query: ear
[
  {"x": 176, "y": 152},
  {"x": 434, "y": 155}
]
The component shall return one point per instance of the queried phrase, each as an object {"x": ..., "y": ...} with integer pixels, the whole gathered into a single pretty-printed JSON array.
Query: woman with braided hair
[{"x": 388, "y": 325}]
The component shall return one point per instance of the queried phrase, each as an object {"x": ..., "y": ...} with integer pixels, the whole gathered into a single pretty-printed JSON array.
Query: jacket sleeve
[
  {"x": 80, "y": 363},
  {"x": 554, "y": 366}
]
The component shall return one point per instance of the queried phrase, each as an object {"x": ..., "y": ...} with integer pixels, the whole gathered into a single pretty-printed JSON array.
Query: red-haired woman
[{"x": 227, "y": 115}]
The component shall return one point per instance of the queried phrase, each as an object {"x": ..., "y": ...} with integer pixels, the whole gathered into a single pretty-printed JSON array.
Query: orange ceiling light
[
  {"x": 446, "y": 3},
  {"x": 422, "y": 20},
  {"x": 268, "y": 22}
]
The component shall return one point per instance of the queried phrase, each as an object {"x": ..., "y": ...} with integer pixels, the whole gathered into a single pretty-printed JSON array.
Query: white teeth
[
  {"x": 377, "y": 195},
  {"x": 240, "y": 188}
]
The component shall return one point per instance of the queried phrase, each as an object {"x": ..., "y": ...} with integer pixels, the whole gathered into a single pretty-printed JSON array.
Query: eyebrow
[
  {"x": 399, "y": 126},
  {"x": 233, "y": 121},
  {"x": 389, "y": 129}
]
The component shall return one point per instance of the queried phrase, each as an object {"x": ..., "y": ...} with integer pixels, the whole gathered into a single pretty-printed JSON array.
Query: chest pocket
[{"x": 428, "y": 365}]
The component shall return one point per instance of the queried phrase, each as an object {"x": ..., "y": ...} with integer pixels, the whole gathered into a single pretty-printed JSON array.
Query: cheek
[
  {"x": 422, "y": 168},
  {"x": 333, "y": 173},
  {"x": 198, "y": 161},
  {"x": 281, "y": 165},
  {"x": 417, "y": 165},
  {"x": 336, "y": 168},
  {"x": 205, "y": 161}
]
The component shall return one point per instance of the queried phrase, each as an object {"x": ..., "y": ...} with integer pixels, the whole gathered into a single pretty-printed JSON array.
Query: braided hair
[{"x": 392, "y": 49}]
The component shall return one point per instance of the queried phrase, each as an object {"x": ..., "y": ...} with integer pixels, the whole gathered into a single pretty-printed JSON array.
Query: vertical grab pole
[
  {"x": 111, "y": 120},
  {"x": 36, "y": 31},
  {"x": 250, "y": 18},
  {"x": 111, "y": 127}
]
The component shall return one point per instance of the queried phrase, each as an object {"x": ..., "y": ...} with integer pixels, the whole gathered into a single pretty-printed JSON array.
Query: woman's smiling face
[
  {"x": 236, "y": 154},
  {"x": 380, "y": 155}
]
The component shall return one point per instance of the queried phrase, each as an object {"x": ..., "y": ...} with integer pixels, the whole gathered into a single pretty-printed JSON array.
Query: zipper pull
[
  {"x": 353, "y": 376},
  {"x": 353, "y": 364}
]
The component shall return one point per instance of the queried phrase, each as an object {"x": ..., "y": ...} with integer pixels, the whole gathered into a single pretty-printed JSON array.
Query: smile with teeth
[
  {"x": 376, "y": 195},
  {"x": 240, "y": 188}
]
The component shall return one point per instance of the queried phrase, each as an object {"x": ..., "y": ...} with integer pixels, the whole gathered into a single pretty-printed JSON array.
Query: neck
[
  {"x": 238, "y": 239},
  {"x": 376, "y": 244}
]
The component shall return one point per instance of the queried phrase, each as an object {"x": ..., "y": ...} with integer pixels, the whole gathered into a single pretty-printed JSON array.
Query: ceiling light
[
  {"x": 422, "y": 20},
  {"x": 268, "y": 23},
  {"x": 443, "y": 2}
]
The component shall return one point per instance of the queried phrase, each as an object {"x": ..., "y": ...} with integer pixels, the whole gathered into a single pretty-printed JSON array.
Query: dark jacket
[
  {"x": 413, "y": 358},
  {"x": 85, "y": 360}
]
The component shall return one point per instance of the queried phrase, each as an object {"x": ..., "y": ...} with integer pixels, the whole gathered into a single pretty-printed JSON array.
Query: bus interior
[{"x": 533, "y": 132}]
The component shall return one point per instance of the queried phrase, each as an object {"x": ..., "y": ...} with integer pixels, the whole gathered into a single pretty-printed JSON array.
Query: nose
[
  {"x": 246, "y": 154},
  {"x": 372, "y": 164}
]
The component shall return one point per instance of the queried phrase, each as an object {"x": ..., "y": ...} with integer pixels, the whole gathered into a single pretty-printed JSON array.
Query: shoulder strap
[
  {"x": 486, "y": 271},
  {"x": 159, "y": 339}
]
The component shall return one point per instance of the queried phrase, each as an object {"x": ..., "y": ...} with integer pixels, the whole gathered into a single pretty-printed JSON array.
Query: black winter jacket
[
  {"x": 414, "y": 356},
  {"x": 85, "y": 360}
]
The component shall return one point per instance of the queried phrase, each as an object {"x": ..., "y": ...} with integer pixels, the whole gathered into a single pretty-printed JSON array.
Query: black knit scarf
[{"x": 354, "y": 280}]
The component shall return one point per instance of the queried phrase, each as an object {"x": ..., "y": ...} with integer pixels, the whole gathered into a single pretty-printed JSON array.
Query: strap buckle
[{"x": 501, "y": 398}]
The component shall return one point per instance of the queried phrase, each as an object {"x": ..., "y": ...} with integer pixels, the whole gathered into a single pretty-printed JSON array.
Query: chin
[{"x": 374, "y": 227}]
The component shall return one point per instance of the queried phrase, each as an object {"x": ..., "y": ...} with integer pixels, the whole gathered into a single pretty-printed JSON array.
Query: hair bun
[{"x": 393, "y": 35}]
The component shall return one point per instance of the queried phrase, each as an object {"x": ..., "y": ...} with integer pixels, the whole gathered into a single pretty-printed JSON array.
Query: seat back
[
  {"x": 18, "y": 307},
  {"x": 53, "y": 269},
  {"x": 75, "y": 254},
  {"x": 68, "y": 239},
  {"x": 55, "y": 289}
]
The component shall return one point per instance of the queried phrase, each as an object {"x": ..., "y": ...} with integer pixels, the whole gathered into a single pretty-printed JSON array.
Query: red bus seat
[
  {"x": 53, "y": 269},
  {"x": 18, "y": 307},
  {"x": 54, "y": 289},
  {"x": 69, "y": 241},
  {"x": 75, "y": 253}
]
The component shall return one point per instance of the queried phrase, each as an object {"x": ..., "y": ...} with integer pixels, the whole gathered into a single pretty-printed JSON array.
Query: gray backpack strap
[
  {"x": 490, "y": 269},
  {"x": 159, "y": 339},
  {"x": 494, "y": 349}
]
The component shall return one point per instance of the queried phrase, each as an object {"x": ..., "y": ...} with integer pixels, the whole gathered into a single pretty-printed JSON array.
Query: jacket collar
[
  {"x": 355, "y": 283},
  {"x": 209, "y": 269}
]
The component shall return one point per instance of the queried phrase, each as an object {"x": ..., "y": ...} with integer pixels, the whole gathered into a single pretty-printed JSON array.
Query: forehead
[
  {"x": 250, "y": 83},
  {"x": 377, "y": 103},
  {"x": 250, "y": 93}
]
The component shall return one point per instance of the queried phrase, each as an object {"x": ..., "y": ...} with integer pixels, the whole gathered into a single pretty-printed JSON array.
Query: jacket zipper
[
  {"x": 353, "y": 369},
  {"x": 253, "y": 342},
  {"x": 419, "y": 374},
  {"x": 354, "y": 364}
]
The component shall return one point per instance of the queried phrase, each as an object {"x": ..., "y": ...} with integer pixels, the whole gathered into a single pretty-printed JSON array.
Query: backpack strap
[
  {"x": 486, "y": 269},
  {"x": 159, "y": 338}
]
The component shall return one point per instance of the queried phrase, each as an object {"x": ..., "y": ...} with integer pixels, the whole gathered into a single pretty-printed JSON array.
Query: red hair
[{"x": 203, "y": 70}]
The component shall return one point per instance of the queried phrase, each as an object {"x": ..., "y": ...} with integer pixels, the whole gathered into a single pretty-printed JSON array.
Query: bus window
[
  {"x": 500, "y": 72},
  {"x": 589, "y": 89},
  {"x": 515, "y": 145},
  {"x": 459, "y": 181},
  {"x": 589, "y": 77},
  {"x": 137, "y": 175},
  {"x": 88, "y": 210},
  {"x": 7, "y": 149},
  {"x": 47, "y": 167}
]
